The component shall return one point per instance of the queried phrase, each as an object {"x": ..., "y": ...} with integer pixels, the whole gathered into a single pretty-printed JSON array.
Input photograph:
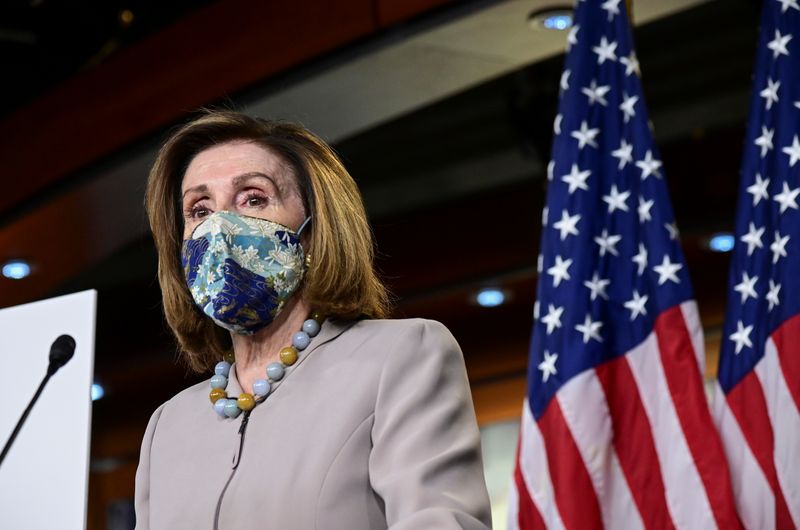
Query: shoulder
[
  {"x": 185, "y": 406},
  {"x": 407, "y": 329},
  {"x": 407, "y": 343}
]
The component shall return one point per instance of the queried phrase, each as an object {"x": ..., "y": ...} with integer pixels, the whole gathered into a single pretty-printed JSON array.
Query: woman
[{"x": 330, "y": 417}]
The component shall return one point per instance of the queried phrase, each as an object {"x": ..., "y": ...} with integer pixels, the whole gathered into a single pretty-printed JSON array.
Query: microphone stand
[{"x": 60, "y": 352}]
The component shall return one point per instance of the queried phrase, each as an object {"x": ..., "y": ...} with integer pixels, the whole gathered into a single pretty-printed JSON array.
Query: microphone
[{"x": 61, "y": 351}]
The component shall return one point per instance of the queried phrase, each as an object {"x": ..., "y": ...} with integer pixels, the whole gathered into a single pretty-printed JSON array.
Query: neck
[{"x": 254, "y": 352}]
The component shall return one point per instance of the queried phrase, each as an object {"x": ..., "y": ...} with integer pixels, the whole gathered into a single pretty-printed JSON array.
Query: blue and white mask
[{"x": 242, "y": 270}]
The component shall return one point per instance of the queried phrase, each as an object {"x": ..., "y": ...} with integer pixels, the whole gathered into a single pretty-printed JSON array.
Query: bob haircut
[{"x": 340, "y": 281}]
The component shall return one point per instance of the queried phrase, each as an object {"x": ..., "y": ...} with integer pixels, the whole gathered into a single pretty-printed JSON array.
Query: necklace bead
[
  {"x": 288, "y": 355},
  {"x": 246, "y": 401},
  {"x": 217, "y": 394},
  {"x": 275, "y": 371},
  {"x": 227, "y": 407}
]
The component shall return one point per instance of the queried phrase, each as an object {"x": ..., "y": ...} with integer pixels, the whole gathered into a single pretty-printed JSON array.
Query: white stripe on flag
[
  {"x": 686, "y": 495},
  {"x": 583, "y": 404},
  {"x": 512, "y": 522},
  {"x": 785, "y": 420},
  {"x": 695, "y": 328},
  {"x": 535, "y": 471},
  {"x": 754, "y": 498}
]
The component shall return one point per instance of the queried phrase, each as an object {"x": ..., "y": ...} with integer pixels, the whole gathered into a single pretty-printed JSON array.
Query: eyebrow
[{"x": 237, "y": 181}]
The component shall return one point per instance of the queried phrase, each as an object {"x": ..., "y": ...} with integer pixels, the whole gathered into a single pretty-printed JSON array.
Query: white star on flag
[
  {"x": 545, "y": 215},
  {"x": 778, "y": 44},
  {"x": 778, "y": 247},
  {"x": 793, "y": 151},
  {"x": 597, "y": 286},
  {"x": 548, "y": 366},
  {"x": 560, "y": 270},
  {"x": 553, "y": 318},
  {"x": 572, "y": 37},
  {"x": 596, "y": 94},
  {"x": 576, "y": 179},
  {"x": 616, "y": 200},
  {"x": 771, "y": 92},
  {"x": 631, "y": 64},
  {"x": 747, "y": 287},
  {"x": 567, "y": 224},
  {"x": 753, "y": 238},
  {"x": 564, "y": 83},
  {"x": 666, "y": 271},
  {"x": 608, "y": 243},
  {"x": 765, "y": 140},
  {"x": 649, "y": 165},
  {"x": 551, "y": 166},
  {"x": 612, "y": 6},
  {"x": 787, "y": 197},
  {"x": 586, "y": 135},
  {"x": 772, "y": 294},
  {"x": 759, "y": 189},
  {"x": 627, "y": 107},
  {"x": 636, "y": 305},
  {"x": 786, "y": 4},
  {"x": 672, "y": 228},
  {"x": 557, "y": 124},
  {"x": 590, "y": 329},
  {"x": 624, "y": 154},
  {"x": 741, "y": 337},
  {"x": 644, "y": 209},
  {"x": 605, "y": 51},
  {"x": 641, "y": 259}
]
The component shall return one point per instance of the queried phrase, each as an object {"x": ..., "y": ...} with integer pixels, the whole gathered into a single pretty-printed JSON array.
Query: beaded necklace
[{"x": 232, "y": 407}]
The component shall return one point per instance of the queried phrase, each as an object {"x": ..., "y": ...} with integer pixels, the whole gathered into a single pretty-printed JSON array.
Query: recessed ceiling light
[
  {"x": 721, "y": 242},
  {"x": 97, "y": 391},
  {"x": 16, "y": 269},
  {"x": 490, "y": 297},
  {"x": 557, "y": 19}
]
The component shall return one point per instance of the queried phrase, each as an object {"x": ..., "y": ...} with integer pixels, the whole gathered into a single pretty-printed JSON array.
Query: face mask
[{"x": 242, "y": 270}]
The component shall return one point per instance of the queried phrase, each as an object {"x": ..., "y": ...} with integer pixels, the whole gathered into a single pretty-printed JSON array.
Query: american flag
[
  {"x": 616, "y": 431},
  {"x": 756, "y": 406}
]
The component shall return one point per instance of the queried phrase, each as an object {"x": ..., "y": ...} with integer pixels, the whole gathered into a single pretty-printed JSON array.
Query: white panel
[{"x": 44, "y": 479}]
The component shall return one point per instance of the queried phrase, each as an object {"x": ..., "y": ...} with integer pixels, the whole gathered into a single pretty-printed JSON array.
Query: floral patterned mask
[{"x": 241, "y": 270}]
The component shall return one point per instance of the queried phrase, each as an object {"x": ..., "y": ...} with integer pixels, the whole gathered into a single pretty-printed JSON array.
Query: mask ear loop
[{"x": 303, "y": 226}]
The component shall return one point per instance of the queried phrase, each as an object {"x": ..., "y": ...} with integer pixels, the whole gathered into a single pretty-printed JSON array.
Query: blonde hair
[{"x": 341, "y": 281}]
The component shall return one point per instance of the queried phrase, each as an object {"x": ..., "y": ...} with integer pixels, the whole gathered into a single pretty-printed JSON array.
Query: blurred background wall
[{"x": 441, "y": 110}]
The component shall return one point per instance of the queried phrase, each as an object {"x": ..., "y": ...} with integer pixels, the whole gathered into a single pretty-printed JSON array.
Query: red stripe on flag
[
  {"x": 787, "y": 341},
  {"x": 572, "y": 486},
  {"x": 747, "y": 403},
  {"x": 528, "y": 515},
  {"x": 686, "y": 390},
  {"x": 633, "y": 442}
]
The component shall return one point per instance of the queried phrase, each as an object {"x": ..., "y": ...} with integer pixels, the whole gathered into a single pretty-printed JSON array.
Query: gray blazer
[{"x": 373, "y": 428}]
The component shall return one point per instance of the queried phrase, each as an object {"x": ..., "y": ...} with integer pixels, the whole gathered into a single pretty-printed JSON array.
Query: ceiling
[{"x": 444, "y": 118}]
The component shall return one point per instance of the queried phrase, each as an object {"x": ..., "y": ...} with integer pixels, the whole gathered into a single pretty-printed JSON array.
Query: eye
[
  {"x": 254, "y": 200},
  {"x": 197, "y": 211}
]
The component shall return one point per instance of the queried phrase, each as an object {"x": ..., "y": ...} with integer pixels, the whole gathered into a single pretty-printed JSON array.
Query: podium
[{"x": 44, "y": 479}]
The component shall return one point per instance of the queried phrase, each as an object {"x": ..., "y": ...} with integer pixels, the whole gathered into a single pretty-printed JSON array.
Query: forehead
[{"x": 223, "y": 162}]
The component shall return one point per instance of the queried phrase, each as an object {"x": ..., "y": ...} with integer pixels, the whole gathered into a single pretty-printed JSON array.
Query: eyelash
[{"x": 192, "y": 212}]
